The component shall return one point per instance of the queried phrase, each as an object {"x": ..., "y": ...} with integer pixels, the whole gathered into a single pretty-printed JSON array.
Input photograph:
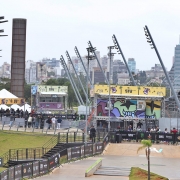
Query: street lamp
[
  {"x": 89, "y": 57},
  {"x": 110, "y": 54}
]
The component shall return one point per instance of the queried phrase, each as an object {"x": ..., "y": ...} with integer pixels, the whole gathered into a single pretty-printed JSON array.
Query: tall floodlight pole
[
  {"x": 153, "y": 46},
  {"x": 75, "y": 87},
  {"x": 89, "y": 57},
  {"x": 2, "y": 30},
  {"x": 93, "y": 51},
  {"x": 110, "y": 54},
  {"x": 117, "y": 46},
  {"x": 70, "y": 81},
  {"x": 79, "y": 56},
  {"x": 69, "y": 58}
]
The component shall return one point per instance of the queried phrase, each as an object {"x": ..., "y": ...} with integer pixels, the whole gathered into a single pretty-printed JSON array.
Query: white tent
[
  {"x": 3, "y": 106},
  {"x": 6, "y": 94},
  {"x": 15, "y": 107},
  {"x": 26, "y": 107}
]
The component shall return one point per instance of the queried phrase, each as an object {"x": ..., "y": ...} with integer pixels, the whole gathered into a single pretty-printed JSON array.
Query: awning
[
  {"x": 129, "y": 96},
  {"x": 52, "y": 94}
]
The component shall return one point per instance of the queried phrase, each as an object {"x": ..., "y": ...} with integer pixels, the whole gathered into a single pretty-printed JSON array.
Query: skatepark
[{"x": 117, "y": 159}]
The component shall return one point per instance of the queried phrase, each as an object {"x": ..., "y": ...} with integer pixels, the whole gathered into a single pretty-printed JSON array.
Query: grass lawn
[
  {"x": 15, "y": 140},
  {"x": 140, "y": 174}
]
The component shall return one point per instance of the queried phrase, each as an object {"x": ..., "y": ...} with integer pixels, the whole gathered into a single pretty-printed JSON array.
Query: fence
[
  {"x": 39, "y": 168},
  {"x": 82, "y": 151},
  {"x": 136, "y": 136},
  {"x": 38, "y": 152},
  {"x": 29, "y": 170},
  {"x": 22, "y": 125}
]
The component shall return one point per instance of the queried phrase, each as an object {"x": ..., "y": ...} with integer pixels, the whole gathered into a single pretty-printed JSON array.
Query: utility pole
[
  {"x": 2, "y": 30},
  {"x": 117, "y": 46},
  {"x": 110, "y": 54},
  {"x": 89, "y": 57}
]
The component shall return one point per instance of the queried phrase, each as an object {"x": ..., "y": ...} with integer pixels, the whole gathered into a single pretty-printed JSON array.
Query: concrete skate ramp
[{"x": 123, "y": 149}]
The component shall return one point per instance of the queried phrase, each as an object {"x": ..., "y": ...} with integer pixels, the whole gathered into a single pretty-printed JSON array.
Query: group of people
[
  {"x": 54, "y": 122},
  {"x": 38, "y": 121},
  {"x": 19, "y": 113}
]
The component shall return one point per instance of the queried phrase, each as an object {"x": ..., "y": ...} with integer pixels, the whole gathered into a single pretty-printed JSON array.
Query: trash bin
[{"x": 118, "y": 138}]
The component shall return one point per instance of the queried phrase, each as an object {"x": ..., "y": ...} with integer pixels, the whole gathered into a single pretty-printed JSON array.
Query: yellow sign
[
  {"x": 12, "y": 101},
  {"x": 53, "y": 89},
  {"x": 104, "y": 89},
  {"x": 130, "y": 90}
]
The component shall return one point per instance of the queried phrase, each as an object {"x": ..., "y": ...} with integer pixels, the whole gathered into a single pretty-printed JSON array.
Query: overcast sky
[{"x": 54, "y": 26}]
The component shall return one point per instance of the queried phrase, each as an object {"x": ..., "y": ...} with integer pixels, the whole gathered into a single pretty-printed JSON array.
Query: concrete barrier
[{"x": 90, "y": 171}]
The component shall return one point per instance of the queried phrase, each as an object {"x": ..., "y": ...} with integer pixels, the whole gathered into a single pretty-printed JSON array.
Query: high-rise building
[
  {"x": 30, "y": 72},
  {"x": 176, "y": 82},
  {"x": 132, "y": 64}
]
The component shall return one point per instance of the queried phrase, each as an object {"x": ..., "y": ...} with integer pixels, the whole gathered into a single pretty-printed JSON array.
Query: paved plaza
[{"x": 124, "y": 155}]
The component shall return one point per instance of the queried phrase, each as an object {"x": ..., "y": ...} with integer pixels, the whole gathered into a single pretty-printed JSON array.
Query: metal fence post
[
  {"x": 26, "y": 153},
  {"x": 82, "y": 137},
  {"x": 17, "y": 154},
  {"x": 74, "y": 136},
  {"x": 9, "y": 154},
  {"x": 66, "y": 137},
  {"x": 58, "y": 139},
  {"x": 34, "y": 154}
]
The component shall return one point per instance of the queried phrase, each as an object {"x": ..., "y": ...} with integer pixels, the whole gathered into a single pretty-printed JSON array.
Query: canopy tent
[
  {"x": 15, "y": 107},
  {"x": 26, "y": 107},
  {"x": 6, "y": 94},
  {"x": 3, "y": 106}
]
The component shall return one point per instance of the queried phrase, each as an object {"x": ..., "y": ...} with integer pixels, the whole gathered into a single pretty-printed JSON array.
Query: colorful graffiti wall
[{"x": 129, "y": 108}]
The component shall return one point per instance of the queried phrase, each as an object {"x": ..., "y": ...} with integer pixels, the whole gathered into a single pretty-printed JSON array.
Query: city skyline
[{"x": 56, "y": 26}]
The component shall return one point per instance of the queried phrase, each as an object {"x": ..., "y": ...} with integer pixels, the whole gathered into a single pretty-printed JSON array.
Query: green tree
[
  {"x": 146, "y": 144},
  {"x": 27, "y": 93}
]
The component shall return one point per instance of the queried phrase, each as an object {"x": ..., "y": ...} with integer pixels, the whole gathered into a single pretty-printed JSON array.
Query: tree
[
  {"x": 146, "y": 144},
  {"x": 27, "y": 92}
]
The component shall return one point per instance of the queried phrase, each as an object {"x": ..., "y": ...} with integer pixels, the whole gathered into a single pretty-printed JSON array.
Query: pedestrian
[
  {"x": 11, "y": 120},
  {"x": 49, "y": 122},
  {"x": 165, "y": 131},
  {"x": 37, "y": 120},
  {"x": 26, "y": 120},
  {"x": 92, "y": 133},
  {"x": 174, "y": 131},
  {"x": 53, "y": 120},
  {"x": 59, "y": 120},
  {"x": 29, "y": 121}
]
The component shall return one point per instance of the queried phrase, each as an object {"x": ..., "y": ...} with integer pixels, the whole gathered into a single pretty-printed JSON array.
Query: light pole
[
  {"x": 88, "y": 57},
  {"x": 110, "y": 54},
  {"x": 153, "y": 46}
]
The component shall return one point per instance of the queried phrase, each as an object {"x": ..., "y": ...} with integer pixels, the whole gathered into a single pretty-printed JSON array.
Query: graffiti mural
[
  {"x": 153, "y": 109},
  {"x": 129, "y": 108}
]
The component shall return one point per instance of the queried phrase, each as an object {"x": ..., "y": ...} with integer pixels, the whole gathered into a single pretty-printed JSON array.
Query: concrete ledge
[{"x": 90, "y": 171}]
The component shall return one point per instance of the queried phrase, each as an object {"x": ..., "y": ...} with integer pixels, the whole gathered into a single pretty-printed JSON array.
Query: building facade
[{"x": 132, "y": 64}]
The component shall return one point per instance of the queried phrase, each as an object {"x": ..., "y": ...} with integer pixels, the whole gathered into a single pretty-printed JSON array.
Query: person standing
[
  {"x": 49, "y": 122},
  {"x": 59, "y": 120},
  {"x": 11, "y": 120},
  {"x": 53, "y": 120},
  {"x": 29, "y": 121},
  {"x": 93, "y": 133}
]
